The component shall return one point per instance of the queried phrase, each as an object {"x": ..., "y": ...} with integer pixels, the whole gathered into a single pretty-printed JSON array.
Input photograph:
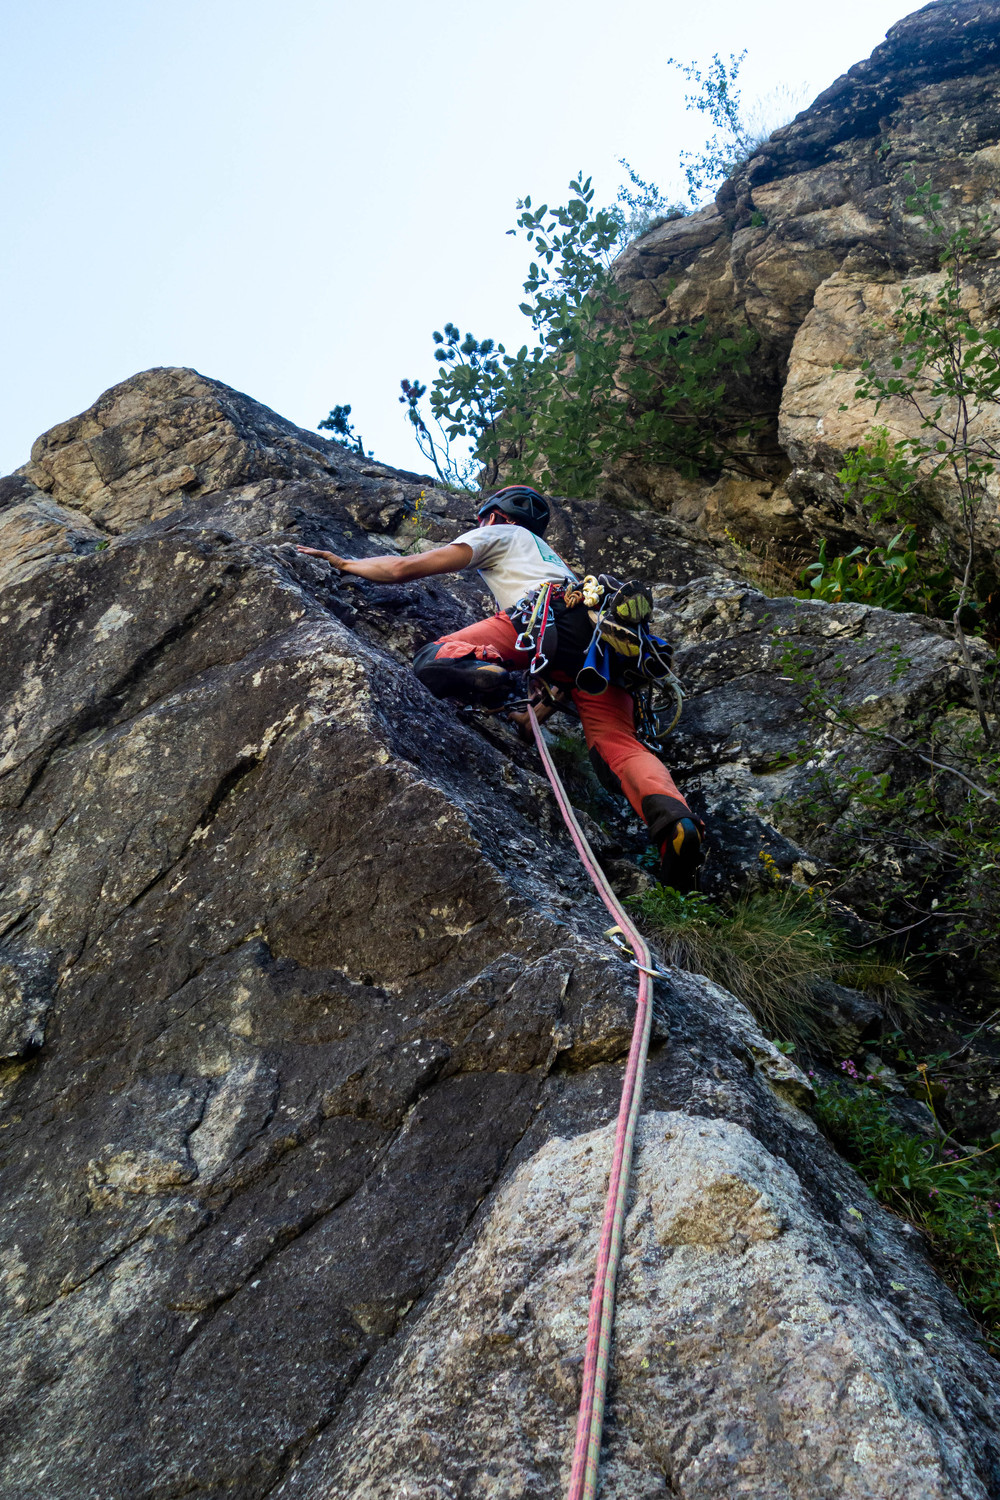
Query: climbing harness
[
  {"x": 622, "y": 648},
  {"x": 590, "y": 1422}
]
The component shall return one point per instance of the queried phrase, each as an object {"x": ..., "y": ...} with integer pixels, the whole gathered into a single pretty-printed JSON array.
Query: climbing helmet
[{"x": 525, "y": 506}]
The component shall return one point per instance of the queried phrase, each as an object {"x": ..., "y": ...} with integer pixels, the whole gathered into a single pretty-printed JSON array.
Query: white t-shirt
[{"x": 512, "y": 561}]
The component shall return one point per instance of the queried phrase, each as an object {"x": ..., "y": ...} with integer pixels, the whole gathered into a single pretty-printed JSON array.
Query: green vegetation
[
  {"x": 893, "y": 577},
  {"x": 642, "y": 207},
  {"x": 770, "y": 948},
  {"x": 338, "y": 422},
  {"x": 598, "y": 385},
  {"x": 914, "y": 831},
  {"x": 951, "y": 1194},
  {"x": 738, "y": 132},
  {"x": 914, "y": 835},
  {"x": 945, "y": 371},
  {"x": 419, "y": 522}
]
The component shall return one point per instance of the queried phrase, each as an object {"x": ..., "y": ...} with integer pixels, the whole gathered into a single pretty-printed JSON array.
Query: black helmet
[{"x": 524, "y": 506}]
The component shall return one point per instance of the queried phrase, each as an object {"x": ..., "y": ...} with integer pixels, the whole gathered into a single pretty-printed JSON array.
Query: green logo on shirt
[{"x": 549, "y": 555}]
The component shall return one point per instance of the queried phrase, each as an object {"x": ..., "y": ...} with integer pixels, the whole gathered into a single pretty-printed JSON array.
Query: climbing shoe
[
  {"x": 680, "y": 856},
  {"x": 624, "y": 617}
]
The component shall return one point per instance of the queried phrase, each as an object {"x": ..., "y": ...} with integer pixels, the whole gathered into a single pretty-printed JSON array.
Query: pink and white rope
[{"x": 590, "y": 1422}]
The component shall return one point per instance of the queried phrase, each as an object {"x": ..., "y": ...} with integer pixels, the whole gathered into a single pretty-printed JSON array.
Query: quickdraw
[{"x": 527, "y": 640}]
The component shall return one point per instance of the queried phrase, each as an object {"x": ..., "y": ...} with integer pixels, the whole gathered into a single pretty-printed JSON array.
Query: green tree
[
  {"x": 739, "y": 131},
  {"x": 640, "y": 206},
  {"x": 597, "y": 385},
  {"x": 338, "y": 422}
]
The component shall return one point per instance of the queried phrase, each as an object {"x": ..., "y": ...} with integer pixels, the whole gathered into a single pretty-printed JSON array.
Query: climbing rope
[{"x": 590, "y": 1422}]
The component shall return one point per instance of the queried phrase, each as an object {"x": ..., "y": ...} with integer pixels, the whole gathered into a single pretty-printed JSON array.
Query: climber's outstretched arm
[{"x": 392, "y": 569}]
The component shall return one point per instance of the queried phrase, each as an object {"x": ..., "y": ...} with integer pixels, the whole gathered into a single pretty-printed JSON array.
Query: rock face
[
  {"x": 810, "y": 244},
  {"x": 312, "y": 1038},
  {"x": 726, "y": 1267}
]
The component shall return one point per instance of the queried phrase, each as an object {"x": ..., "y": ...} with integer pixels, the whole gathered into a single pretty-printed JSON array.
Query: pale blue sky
[{"x": 291, "y": 196}]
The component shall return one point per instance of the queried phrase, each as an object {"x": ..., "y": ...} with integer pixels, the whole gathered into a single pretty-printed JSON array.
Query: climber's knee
[{"x": 469, "y": 677}]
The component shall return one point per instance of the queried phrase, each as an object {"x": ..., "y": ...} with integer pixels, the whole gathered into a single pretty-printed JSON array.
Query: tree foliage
[
  {"x": 946, "y": 370},
  {"x": 339, "y": 423},
  {"x": 950, "y": 1193},
  {"x": 597, "y": 385},
  {"x": 738, "y": 131}
]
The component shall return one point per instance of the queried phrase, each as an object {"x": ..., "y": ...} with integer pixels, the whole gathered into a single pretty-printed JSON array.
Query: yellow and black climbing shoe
[
  {"x": 624, "y": 617},
  {"x": 680, "y": 855},
  {"x": 631, "y": 603}
]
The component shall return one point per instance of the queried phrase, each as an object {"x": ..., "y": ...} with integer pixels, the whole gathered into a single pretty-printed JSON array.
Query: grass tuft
[
  {"x": 767, "y": 568},
  {"x": 769, "y": 949}
]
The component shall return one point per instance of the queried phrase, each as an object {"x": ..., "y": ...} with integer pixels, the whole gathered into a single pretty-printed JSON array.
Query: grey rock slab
[
  {"x": 294, "y": 987},
  {"x": 744, "y": 1360},
  {"x": 38, "y": 533},
  {"x": 26, "y": 985},
  {"x": 746, "y": 738}
]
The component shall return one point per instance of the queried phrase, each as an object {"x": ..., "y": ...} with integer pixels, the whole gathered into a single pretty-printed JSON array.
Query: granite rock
[{"x": 300, "y": 974}]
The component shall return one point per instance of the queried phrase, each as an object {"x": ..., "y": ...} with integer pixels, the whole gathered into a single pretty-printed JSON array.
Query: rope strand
[{"x": 600, "y": 1324}]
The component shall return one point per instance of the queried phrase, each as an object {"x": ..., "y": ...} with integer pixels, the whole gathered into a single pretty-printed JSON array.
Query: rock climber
[{"x": 471, "y": 664}]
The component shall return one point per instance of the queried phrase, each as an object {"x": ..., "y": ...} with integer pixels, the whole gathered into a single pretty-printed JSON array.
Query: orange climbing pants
[{"x": 608, "y": 719}]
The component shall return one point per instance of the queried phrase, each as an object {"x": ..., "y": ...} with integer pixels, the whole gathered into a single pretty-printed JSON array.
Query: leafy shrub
[
  {"x": 881, "y": 479},
  {"x": 599, "y": 384},
  {"x": 951, "y": 1195},
  {"x": 641, "y": 207},
  {"x": 891, "y": 577},
  {"x": 770, "y": 949},
  {"x": 739, "y": 132}
]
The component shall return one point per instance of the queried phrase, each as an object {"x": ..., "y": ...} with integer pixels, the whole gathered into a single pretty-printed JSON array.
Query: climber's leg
[
  {"x": 471, "y": 664},
  {"x": 623, "y": 765}
]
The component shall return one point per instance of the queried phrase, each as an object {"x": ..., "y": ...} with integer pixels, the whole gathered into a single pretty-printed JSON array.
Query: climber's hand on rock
[{"x": 330, "y": 557}]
